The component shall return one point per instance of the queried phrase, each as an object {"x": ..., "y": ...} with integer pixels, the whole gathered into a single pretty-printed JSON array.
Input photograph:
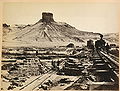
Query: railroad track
[
  {"x": 38, "y": 81},
  {"x": 34, "y": 83},
  {"x": 72, "y": 83},
  {"x": 113, "y": 66},
  {"x": 111, "y": 59},
  {"x": 112, "y": 63},
  {"x": 45, "y": 78},
  {"x": 49, "y": 77},
  {"x": 107, "y": 64},
  {"x": 106, "y": 67}
]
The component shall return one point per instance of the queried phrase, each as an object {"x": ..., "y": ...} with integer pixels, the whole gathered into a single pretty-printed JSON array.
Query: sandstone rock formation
[{"x": 47, "y": 17}]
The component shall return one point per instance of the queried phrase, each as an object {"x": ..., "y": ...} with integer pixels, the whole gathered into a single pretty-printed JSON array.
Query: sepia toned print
[{"x": 60, "y": 46}]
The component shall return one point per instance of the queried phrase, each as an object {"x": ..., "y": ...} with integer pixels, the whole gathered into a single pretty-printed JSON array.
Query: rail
[
  {"x": 33, "y": 81},
  {"x": 110, "y": 59},
  {"x": 112, "y": 64}
]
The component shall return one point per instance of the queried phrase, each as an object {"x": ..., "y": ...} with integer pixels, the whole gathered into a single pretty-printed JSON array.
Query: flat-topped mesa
[{"x": 47, "y": 17}]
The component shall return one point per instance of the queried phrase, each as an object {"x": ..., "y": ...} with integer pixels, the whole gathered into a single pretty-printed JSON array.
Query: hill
[{"x": 45, "y": 32}]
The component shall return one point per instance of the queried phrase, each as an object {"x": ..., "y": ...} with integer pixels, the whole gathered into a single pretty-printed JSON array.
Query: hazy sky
[{"x": 93, "y": 17}]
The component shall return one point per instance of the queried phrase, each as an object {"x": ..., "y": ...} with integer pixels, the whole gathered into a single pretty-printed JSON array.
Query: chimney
[{"x": 47, "y": 17}]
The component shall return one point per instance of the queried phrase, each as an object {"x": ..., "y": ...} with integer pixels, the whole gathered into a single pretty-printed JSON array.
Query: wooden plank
[
  {"x": 72, "y": 83},
  {"x": 102, "y": 83}
]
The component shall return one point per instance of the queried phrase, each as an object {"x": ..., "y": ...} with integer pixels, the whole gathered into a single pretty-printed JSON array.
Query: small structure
[{"x": 90, "y": 44}]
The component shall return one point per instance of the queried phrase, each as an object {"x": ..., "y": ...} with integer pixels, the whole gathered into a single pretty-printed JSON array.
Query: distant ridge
[{"x": 47, "y": 30}]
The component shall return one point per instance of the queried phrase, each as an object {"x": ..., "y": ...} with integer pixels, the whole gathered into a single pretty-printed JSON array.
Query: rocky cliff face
[
  {"x": 47, "y": 17},
  {"x": 46, "y": 30}
]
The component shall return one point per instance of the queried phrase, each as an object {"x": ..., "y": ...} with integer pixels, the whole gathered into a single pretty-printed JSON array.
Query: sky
[{"x": 92, "y": 17}]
